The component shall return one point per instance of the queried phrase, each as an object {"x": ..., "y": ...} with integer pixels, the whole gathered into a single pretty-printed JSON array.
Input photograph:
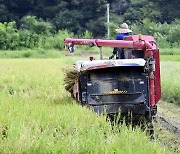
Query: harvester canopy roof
[{"x": 98, "y": 64}]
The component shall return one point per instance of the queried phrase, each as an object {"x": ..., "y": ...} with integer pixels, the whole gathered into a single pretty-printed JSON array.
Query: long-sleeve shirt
[{"x": 120, "y": 36}]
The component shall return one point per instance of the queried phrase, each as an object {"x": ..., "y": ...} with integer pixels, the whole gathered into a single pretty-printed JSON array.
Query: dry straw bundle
[{"x": 70, "y": 75}]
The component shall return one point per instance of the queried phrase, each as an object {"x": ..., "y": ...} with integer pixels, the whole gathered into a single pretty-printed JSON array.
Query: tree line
[{"x": 34, "y": 23}]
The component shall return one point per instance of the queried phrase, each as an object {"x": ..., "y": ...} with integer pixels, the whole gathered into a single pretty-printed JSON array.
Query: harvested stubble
[{"x": 69, "y": 79}]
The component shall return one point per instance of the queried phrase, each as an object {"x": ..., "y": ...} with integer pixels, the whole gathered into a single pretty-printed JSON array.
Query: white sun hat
[{"x": 124, "y": 28}]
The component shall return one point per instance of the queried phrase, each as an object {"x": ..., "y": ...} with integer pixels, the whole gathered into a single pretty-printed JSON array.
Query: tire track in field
[{"x": 170, "y": 123}]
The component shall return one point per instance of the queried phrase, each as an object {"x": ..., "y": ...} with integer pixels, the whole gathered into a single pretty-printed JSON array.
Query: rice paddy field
[
  {"x": 39, "y": 116},
  {"x": 170, "y": 75}
]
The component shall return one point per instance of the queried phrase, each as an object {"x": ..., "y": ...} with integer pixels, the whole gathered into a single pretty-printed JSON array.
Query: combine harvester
[{"x": 128, "y": 85}]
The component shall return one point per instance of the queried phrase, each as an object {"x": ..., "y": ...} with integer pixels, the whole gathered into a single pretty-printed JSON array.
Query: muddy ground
[{"x": 167, "y": 126}]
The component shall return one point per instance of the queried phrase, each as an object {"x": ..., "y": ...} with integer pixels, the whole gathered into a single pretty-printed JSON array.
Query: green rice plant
[
  {"x": 170, "y": 57},
  {"x": 39, "y": 116},
  {"x": 170, "y": 75},
  {"x": 34, "y": 127},
  {"x": 35, "y": 53},
  {"x": 170, "y": 51}
]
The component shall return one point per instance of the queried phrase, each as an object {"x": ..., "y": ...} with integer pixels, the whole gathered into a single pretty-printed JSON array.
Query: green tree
[
  {"x": 34, "y": 25},
  {"x": 4, "y": 13},
  {"x": 3, "y": 36},
  {"x": 79, "y": 15}
]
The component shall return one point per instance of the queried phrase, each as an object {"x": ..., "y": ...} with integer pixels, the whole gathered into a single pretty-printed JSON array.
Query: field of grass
[
  {"x": 38, "y": 116},
  {"x": 170, "y": 75},
  {"x": 27, "y": 53},
  {"x": 54, "y": 53},
  {"x": 170, "y": 58},
  {"x": 171, "y": 54},
  {"x": 170, "y": 89},
  {"x": 170, "y": 51}
]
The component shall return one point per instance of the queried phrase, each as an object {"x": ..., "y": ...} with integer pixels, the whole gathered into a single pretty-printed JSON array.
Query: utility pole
[{"x": 108, "y": 30}]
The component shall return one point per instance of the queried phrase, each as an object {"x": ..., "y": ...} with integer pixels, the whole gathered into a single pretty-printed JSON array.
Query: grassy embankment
[
  {"x": 38, "y": 116},
  {"x": 170, "y": 54}
]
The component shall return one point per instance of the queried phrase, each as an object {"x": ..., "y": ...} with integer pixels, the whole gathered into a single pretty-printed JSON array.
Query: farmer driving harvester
[{"x": 122, "y": 31}]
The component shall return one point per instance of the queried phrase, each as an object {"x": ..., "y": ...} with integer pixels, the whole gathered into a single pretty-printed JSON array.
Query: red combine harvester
[{"x": 112, "y": 86}]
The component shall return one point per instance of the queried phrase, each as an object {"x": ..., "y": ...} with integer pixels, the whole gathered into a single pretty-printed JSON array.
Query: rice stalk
[{"x": 70, "y": 75}]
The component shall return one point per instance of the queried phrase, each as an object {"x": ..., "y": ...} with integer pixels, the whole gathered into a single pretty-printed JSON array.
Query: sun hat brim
[{"x": 123, "y": 30}]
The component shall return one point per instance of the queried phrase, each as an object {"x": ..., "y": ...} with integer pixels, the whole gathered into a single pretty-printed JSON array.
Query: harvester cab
[{"x": 131, "y": 84}]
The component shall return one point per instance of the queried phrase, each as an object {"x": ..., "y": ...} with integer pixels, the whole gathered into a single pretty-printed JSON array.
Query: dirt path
[{"x": 167, "y": 125}]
